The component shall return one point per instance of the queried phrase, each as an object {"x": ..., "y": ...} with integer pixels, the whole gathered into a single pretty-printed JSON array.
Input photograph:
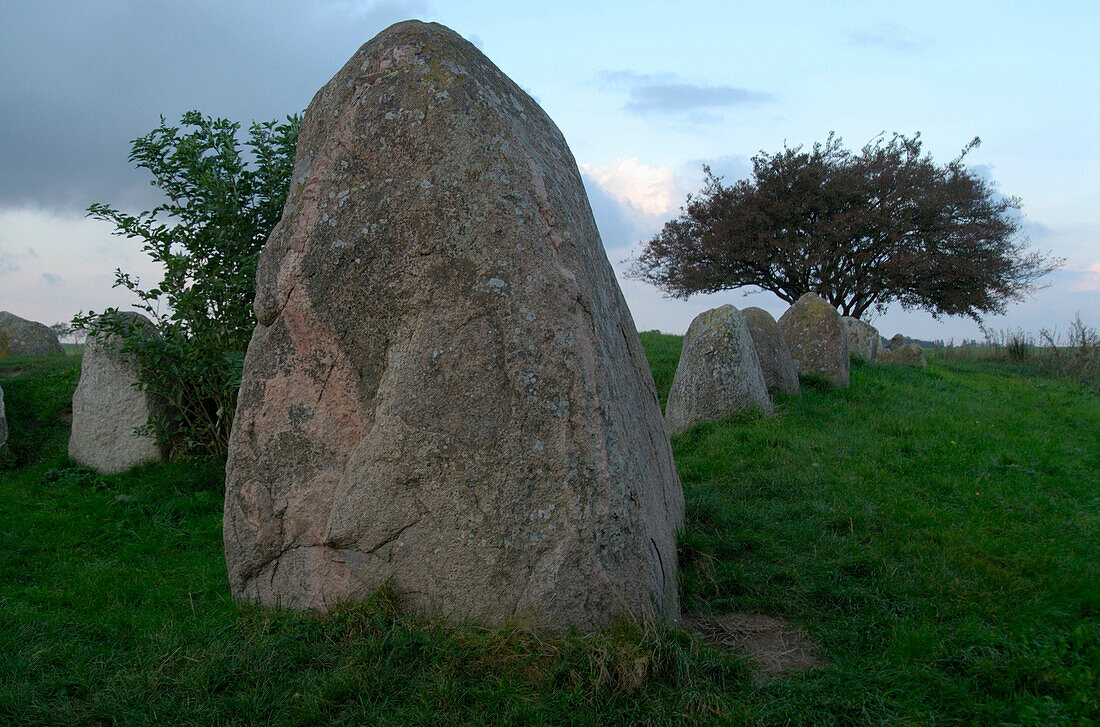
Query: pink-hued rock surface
[{"x": 446, "y": 390}]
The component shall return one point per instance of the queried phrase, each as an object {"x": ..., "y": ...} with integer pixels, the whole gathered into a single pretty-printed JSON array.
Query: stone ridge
[{"x": 445, "y": 390}]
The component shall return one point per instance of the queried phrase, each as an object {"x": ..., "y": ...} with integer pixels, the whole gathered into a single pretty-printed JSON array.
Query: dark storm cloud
[
  {"x": 82, "y": 79},
  {"x": 669, "y": 94}
]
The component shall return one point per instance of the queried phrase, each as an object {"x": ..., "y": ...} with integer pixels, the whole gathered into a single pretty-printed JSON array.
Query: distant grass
[
  {"x": 937, "y": 531},
  {"x": 1081, "y": 364},
  {"x": 663, "y": 352}
]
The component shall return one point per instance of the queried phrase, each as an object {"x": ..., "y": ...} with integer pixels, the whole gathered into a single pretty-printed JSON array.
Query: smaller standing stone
[
  {"x": 903, "y": 354},
  {"x": 864, "y": 340},
  {"x": 776, "y": 363},
  {"x": 108, "y": 406},
  {"x": 718, "y": 375},
  {"x": 3, "y": 421},
  {"x": 20, "y": 337},
  {"x": 811, "y": 328}
]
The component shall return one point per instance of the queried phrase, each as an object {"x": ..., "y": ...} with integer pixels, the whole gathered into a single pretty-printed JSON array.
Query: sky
[{"x": 645, "y": 92}]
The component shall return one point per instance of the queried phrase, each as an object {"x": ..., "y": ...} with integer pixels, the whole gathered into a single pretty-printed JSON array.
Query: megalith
[
  {"x": 108, "y": 405},
  {"x": 900, "y": 353},
  {"x": 864, "y": 341},
  {"x": 445, "y": 390},
  {"x": 19, "y": 337},
  {"x": 779, "y": 369},
  {"x": 811, "y": 328},
  {"x": 718, "y": 374}
]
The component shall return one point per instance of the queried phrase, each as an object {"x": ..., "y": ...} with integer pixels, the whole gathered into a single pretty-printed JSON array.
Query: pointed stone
[
  {"x": 780, "y": 372},
  {"x": 811, "y": 328},
  {"x": 445, "y": 391},
  {"x": 718, "y": 374}
]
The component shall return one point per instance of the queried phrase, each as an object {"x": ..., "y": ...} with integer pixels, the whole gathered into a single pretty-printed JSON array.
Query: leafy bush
[{"x": 220, "y": 208}]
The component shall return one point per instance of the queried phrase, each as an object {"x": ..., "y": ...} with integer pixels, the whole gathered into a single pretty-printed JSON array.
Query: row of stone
[{"x": 734, "y": 361}]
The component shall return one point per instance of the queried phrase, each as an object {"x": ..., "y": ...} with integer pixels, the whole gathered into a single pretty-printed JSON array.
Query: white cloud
[
  {"x": 655, "y": 191},
  {"x": 1089, "y": 280}
]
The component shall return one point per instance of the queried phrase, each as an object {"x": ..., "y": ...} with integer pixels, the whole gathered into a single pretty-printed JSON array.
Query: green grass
[{"x": 936, "y": 531}]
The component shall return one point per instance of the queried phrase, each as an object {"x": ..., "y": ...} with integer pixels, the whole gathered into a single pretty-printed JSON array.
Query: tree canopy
[{"x": 886, "y": 225}]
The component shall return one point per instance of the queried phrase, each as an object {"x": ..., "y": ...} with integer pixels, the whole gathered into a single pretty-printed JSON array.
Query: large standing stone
[
  {"x": 19, "y": 336},
  {"x": 864, "y": 341},
  {"x": 811, "y": 328},
  {"x": 718, "y": 374},
  {"x": 3, "y": 421},
  {"x": 107, "y": 406},
  {"x": 445, "y": 389},
  {"x": 779, "y": 369}
]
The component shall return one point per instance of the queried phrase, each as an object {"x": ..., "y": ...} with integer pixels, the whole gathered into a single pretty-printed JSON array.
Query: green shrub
[{"x": 220, "y": 208}]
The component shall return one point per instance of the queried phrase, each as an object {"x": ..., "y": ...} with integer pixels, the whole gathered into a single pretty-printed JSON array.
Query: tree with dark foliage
[{"x": 863, "y": 230}]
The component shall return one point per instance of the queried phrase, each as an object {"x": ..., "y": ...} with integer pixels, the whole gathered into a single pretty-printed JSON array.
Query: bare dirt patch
[
  {"x": 774, "y": 645},
  {"x": 11, "y": 373}
]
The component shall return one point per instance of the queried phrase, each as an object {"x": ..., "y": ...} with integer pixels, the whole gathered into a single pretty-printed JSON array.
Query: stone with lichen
[
  {"x": 718, "y": 374},
  {"x": 780, "y": 372},
  {"x": 20, "y": 337},
  {"x": 900, "y": 353},
  {"x": 864, "y": 341},
  {"x": 811, "y": 327},
  {"x": 108, "y": 405},
  {"x": 445, "y": 391}
]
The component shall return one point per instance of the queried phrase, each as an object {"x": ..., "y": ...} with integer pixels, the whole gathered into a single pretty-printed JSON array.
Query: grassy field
[{"x": 936, "y": 532}]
